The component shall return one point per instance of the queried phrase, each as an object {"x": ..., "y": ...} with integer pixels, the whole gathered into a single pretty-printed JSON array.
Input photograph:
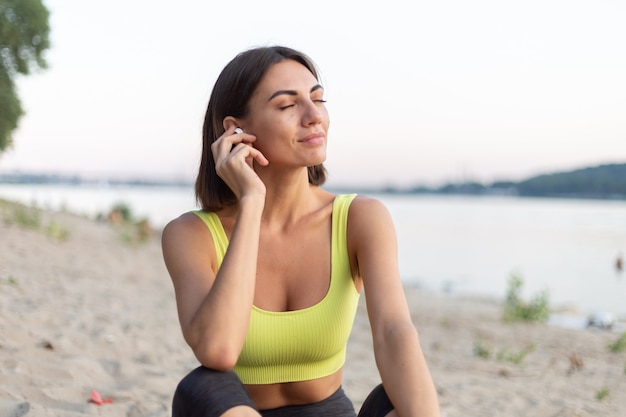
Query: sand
[{"x": 86, "y": 305}]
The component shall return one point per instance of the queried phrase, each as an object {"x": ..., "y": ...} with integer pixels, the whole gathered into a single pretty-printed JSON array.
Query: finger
[
  {"x": 249, "y": 153},
  {"x": 261, "y": 159},
  {"x": 226, "y": 143},
  {"x": 220, "y": 149}
]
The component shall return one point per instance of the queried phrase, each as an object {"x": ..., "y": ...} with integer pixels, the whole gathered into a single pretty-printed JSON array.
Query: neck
[{"x": 288, "y": 197}]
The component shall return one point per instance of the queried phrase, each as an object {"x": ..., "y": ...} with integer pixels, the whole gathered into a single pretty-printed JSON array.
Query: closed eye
[
  {"x": 294, "y": 93},
  {"x": 293, "y": 105}
]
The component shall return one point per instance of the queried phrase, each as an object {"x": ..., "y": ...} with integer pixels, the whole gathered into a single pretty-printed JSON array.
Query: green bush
[
  {"x": 481, "y": 349},
  {"x": 10, "y": 280},
  {"x": 619, "y": 345},
  {"x": 132, "y": 230},
  {"x": 26, "y": 217},
  {"x": 602, "y": 394},
  {"x": 506, "y": 355},
  {"x": 56, "y": 231},
  {"x": 484, "y": 351},
  {"x": 516, "y": 309},
  {"x": 121, "y": 212},
  {"x": 30, "y": 218}
]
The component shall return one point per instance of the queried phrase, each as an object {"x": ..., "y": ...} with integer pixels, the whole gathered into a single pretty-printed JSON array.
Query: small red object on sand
[{"x": 97, "y": 399}]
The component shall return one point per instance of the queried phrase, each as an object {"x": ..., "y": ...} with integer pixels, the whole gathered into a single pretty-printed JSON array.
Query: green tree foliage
[
  {"x": 601, "y": 181},
  {"x": 24, "y": 36}
]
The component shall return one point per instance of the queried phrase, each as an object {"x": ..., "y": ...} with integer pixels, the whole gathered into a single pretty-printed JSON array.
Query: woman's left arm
[{"x": 399, "y": 357}]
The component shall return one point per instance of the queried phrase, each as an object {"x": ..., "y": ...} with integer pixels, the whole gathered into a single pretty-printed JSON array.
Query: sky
[{"x": 419, "y": 92}]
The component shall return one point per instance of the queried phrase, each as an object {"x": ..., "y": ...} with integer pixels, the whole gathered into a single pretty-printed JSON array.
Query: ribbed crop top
[{"x": 300, "y": 345}]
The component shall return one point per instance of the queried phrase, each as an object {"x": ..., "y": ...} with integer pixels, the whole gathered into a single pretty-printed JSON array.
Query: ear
[{"x": 230, "y": 121}]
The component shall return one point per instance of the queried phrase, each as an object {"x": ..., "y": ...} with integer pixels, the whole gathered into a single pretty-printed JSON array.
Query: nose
[{"x": 313, "y": 114}]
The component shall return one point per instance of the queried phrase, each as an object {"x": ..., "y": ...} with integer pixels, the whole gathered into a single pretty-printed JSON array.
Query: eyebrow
[{"x": 293, "y": 92}]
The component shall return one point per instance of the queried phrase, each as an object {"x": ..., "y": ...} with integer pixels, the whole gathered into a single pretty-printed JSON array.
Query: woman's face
[{"x": 288, "y": 116}]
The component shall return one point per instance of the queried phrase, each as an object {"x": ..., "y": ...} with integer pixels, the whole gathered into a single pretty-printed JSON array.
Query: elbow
[
  {"x": 219, "y": 358},
  {"x": 217, "y": 363},
  {"x": 219, "y": 353}
]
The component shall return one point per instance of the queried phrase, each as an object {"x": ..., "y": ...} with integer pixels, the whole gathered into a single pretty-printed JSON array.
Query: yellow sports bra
[{"x": 303, "y": 344}]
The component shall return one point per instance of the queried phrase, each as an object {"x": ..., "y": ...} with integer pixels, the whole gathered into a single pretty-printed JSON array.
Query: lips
[{"x": 313, "y": 138}]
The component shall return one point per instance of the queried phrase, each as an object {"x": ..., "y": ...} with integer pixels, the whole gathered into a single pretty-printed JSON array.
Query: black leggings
[{"x": 208, "y": 393}]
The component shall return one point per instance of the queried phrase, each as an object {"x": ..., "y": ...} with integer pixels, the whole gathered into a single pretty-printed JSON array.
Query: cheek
[
  {"x": 267, "y": 141},
  {"x": 272, "y": 131},
  {"x": 325, "y": 117}
]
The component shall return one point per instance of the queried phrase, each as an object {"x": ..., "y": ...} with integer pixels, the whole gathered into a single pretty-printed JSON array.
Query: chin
[
  {"x": 317, "y": 162},
  {"x": 320, "y": 158}
]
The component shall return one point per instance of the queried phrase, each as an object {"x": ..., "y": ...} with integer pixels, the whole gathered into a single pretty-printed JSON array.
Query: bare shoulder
[
  {"x": 188, "y": 249},
  {"x": 371, "y": 231},
  {"x": 185, "y": 223},
  {"x": 368, "y": 212},
  {"x": 185, "y": 232},
  {"x": 372, "y": 244}
]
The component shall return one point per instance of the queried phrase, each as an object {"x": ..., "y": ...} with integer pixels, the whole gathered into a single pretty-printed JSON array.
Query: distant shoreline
[
  {"x": 458, "y": 191},
  {"x": 603, "y": 182}
]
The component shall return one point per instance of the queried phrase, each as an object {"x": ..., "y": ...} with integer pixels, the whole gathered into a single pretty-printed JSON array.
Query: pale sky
[{"x": 418, "y": 92}]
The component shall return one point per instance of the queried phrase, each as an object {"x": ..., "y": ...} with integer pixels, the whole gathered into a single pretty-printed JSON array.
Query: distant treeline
[
  {"x": 602, "y": 182},
  {"x": 36, "y": 178}
]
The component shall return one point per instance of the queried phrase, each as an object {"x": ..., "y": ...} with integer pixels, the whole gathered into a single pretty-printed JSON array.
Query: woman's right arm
[
  {"x": 213, "y": 309},
  {"x": 214, "y": 305}
]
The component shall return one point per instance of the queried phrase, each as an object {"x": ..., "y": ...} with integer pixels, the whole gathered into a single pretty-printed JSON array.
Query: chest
[{"x": 293, "y": 267}]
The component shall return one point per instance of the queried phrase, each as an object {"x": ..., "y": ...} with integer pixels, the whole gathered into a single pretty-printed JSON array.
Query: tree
[{"x": 24, "y": 34}]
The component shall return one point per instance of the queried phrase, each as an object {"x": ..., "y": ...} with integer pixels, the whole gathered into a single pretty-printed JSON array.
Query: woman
[{"x": 268, "y": 274}]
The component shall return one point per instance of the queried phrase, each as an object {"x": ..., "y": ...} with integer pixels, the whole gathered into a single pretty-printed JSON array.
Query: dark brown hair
[{"x": 231, "y": 93}]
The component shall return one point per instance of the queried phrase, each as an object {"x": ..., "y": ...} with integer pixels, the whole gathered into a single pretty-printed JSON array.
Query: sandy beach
[{"x": 88, "y": 306}]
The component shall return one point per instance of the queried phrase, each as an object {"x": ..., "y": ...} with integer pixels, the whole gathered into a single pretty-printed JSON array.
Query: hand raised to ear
[{"x": 234, "y": 155}]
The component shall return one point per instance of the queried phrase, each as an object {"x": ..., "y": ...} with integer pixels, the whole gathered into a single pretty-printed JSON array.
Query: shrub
[
  {"x": 516, "y": 309},
  {"x": 26, "y": 217},
  {"x": 515, "y": 357},
  {"x": 132, "y": 230},
  {"x": 481, "y": 349},
  {"x": 120, "y": 213},
  {"x": 602, "y": 394},
  {"x": 30, "y": 218},
  {"x": 619, "y": 345},
  {"x": 55, "y": 231}
]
